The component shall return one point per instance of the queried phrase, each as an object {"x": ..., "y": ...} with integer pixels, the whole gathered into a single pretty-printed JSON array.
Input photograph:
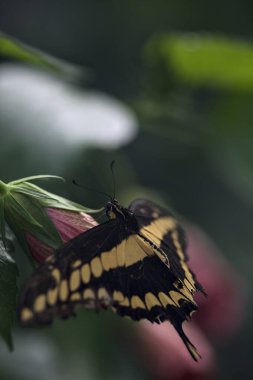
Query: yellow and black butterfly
[{"x": 134, "y": 263}]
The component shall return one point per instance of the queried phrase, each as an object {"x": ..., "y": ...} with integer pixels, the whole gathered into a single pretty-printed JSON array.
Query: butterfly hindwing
[{"x": 160, "y": 227}]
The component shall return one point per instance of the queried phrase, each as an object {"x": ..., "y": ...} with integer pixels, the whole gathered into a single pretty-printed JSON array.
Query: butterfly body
[{"x": 135, "y": 263}]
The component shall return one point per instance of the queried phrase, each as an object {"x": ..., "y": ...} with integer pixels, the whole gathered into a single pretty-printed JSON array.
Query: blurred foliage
[
  {"x": 13, "y": 49},
  {"x": 8, "y": 286},
  {"x": 184, "y": 71},
  {"x": 203, "y": 60},
  {"x": 203, "y": 88}
]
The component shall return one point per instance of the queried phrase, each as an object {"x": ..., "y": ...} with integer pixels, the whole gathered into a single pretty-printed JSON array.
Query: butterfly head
[{"x": 115, "y": 210}]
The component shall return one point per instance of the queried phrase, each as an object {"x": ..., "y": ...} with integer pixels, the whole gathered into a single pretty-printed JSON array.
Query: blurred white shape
[
  {"x": 46, "y": 110},
  {"x": 38, "y": 357}
]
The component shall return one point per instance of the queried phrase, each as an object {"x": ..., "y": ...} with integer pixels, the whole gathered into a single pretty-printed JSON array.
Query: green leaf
[
  {"x": 14, "y": 49},
  {"x": 8, "y": 292},
  {"x": 204, "y": 60},
  {"x": 233, "y": 159}
]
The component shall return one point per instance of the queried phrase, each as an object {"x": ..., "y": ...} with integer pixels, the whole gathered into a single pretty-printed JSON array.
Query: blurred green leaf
[
  {"x": 203, "y": 60},
  {"x": 172, "y": 118},
  {"x": 14, "y": 49},
  {"x": 230, "y": 148},
  {"x": 8, "y": 292},
  {"x": 233, "y": 159}
]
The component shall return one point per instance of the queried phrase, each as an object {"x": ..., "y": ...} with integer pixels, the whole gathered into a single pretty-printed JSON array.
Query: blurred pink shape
[
  {"x": 219, "y": 315},
  {"x": 222, "y": 312},
  {"x": 166, "y": 356}
]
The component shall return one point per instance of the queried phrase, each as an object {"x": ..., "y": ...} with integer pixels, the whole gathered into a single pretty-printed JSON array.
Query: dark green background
[{"x": 193, "y": 152}]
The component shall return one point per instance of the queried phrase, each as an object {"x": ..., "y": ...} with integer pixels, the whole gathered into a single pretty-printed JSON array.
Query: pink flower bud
[
  {"x": 41, "y": 221},
  {"x": 68, "y": 224}
]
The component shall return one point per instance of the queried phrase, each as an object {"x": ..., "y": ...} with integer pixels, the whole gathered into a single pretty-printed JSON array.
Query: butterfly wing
[
  {"x": 93, "y": 270},
  {"x": 68, "y": 278},
  {"x": 160, "y": 229},
  {"x": 105, "y": 267},
  {"x": 159, "y": 226}
]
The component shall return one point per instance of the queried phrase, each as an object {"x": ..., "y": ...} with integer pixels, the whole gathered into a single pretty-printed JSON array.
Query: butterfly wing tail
[{"x": 190, "y": 347}]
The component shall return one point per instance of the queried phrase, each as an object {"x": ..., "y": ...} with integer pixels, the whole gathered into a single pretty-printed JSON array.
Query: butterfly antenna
[
  {"x": 113, "y": 177},
  {"x": 90, "y": 189}
]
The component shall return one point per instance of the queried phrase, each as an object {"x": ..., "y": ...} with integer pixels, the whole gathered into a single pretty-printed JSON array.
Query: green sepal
[
  {"x": 46, "y": 198},
  {"x": 52, "y": 200},
  {"x": 35, "y": 177},
  {"x": 18, "y": 209},
  {"x": 43, "y": 228},
  {"x": 8, "y": 293}
]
